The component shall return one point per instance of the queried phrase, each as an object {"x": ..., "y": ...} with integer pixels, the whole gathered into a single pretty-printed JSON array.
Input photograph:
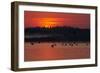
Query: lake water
[{"x": 40, "y": 51}]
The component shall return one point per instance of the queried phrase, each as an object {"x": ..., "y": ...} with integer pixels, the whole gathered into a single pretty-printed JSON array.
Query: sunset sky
[{"x": 54, "y": 19}]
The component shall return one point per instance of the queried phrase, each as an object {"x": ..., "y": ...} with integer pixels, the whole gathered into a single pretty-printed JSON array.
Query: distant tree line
[{"x": 58, "y": 34}]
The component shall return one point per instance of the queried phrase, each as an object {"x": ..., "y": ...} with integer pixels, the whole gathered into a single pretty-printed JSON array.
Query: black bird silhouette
[
  {"x": 52, "y": 45},
  {"x": 71, "y": 44},
  {"x": 32, "y": 43}
]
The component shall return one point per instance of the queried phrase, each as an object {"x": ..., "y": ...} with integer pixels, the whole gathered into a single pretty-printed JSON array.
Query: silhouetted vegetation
[{"x": 57, "y": 34}]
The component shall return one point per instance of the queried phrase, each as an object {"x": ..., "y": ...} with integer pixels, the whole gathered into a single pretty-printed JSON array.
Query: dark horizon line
[{"x": 57, "y": 27}]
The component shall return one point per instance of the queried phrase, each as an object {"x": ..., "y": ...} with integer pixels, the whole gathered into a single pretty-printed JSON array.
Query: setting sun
[
  {"x": 46, "y": 26},
  {"x": 47, "y": 22},
  {"x": 51, "y": 19}
]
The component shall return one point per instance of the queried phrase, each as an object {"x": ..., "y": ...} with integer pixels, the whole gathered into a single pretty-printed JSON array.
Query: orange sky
[{"x": 53, "y": 19}]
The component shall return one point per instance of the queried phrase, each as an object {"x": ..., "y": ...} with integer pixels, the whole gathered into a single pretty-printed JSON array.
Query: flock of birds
[{"x": 63, "y": 44}]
